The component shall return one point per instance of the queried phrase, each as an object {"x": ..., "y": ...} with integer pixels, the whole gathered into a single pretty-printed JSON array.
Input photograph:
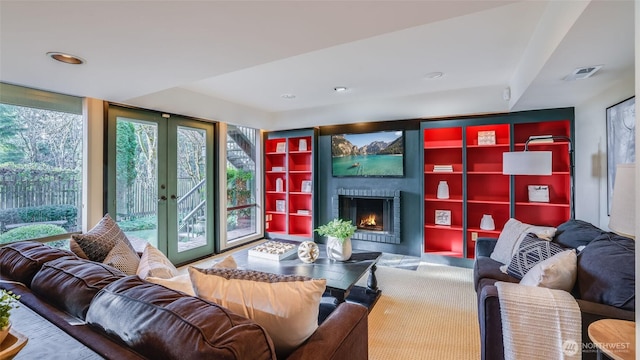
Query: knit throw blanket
[{"x": 539, "y": 323}]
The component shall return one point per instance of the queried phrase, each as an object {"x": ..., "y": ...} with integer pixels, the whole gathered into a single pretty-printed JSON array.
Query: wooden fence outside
[
  {"x": 138, "y": 201},
  {"x": 18, "y": 192}
]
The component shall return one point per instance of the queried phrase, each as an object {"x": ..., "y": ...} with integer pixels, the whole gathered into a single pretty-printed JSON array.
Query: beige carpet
[{"x": 430, "y": 313}]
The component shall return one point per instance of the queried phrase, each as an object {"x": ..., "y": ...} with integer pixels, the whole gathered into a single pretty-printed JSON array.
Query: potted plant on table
[
  {"x": 338, "y": 233},
  {"x": 8, "y": 301}
]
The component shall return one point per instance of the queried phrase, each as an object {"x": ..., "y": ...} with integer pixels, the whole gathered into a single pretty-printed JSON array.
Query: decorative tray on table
[
  {"x": 274, "y": 250},
  {"x": 12, "y": 344}
]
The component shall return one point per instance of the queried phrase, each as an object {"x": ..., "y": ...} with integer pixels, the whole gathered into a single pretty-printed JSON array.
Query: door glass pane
[
  {"x": 192, "y": 185},
  {"x": 137, "y": 179},
  {"x": 40, "y": 173},
  {"x": 241, "y": 182}
]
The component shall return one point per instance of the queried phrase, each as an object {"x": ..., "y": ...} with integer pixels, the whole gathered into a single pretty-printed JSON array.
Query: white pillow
[
  {"x": 557, "y": 272},
  {"x": 154, "y": 263},
  {"x": 512, "y": 234},
  {"x": 178, "y": 283},
  {"x": 286, "y": 306}
]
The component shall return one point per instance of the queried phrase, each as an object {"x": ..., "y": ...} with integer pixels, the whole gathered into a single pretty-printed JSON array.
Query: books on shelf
[
  {"x": 442, "y": 168},
  {"x": 277, "y": 168},
  {"x": 274, "y": 250},
  {"x": 303, "y": 212}
]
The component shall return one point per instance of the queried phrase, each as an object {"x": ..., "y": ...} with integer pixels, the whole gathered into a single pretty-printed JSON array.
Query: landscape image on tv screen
[{"x": 369, "y": 154}]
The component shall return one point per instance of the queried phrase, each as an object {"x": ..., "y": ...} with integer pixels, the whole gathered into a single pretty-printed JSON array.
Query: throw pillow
[
  {"x": 96, "y": 243},
  {"x": 557, "y": 272},
  {"x": 512, "y": 234},
  {"x": 531, "y": 251},
  {"x": 123, "y": 258},
  {"x": 287, "y": 306},
  {"x": 179, "y": 283},
  {"x": 154, "y": 263},
  {"x": 576, "y": 233},
  {"x": 606, "y": 271},
  {"x": 228, "y": 262}
]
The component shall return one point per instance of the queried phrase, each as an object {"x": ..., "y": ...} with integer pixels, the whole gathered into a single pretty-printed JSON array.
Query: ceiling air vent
[{"x": 583, "y": 73}]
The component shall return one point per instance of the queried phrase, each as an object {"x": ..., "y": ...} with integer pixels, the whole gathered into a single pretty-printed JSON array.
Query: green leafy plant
[
  {"x": 8, "y": 302},
  {"x": 338, "y": 228},
  {"x": 30, "y": 232}
]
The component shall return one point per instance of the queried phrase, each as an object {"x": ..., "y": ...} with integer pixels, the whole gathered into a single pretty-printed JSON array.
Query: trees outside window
[{"x": 40, "y": 172}]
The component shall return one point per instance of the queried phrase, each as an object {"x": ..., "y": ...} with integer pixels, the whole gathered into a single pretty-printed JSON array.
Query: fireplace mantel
[{"x": 390, "y": 237}]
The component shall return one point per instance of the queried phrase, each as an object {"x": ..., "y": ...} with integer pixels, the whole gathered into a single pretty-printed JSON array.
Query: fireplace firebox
[{"x": 375, "y": 213}]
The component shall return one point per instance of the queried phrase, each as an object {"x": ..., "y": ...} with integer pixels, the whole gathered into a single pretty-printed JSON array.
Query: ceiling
[{"x": 233, "y": 60}]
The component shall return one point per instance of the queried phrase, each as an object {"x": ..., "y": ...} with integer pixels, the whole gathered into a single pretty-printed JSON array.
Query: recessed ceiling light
[
  {"x": 434, "y": 75},
  {"x": 340, "y": 89},
  {"x": 66, "y": 58},
  {"x": 288, "y": 96}
]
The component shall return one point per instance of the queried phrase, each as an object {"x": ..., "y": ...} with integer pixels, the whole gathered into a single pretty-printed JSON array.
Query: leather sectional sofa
[
  {"x": 604, "y": 288},
  {"x": 125, "y": 317}
]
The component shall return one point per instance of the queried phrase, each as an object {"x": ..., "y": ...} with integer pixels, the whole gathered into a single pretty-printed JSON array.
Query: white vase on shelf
[
  {"x": 487, "y": 222},
  {"x": 443, "y": 190},
  {"x": 279, "y": 185}
]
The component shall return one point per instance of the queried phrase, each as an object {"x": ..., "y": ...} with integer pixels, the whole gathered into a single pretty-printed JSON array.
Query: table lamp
[{"x": 537, "y": 162}]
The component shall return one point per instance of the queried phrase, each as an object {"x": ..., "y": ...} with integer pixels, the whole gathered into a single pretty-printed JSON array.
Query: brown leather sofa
[
  {"x": 125, "y": 317},
  {"x": 609, "y": 261}
]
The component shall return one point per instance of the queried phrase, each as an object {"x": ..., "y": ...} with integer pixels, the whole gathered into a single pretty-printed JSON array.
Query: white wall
[{"x": 590, "y": 152}]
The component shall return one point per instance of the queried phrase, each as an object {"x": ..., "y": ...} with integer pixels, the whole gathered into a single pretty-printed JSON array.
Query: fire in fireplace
[
  {"x": 369, "y": 214},
  {"x": 375, "y": 213}
]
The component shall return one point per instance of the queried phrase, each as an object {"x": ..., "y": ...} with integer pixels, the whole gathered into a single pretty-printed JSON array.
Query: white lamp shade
[
  {"x": 622, "y": 220},
  {"x": 526, "y": 163}
]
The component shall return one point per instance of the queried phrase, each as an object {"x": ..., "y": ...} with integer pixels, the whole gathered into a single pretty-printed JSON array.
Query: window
[
  {"x": 242, "y": 145},
  {"x": 40, "y": 164}
]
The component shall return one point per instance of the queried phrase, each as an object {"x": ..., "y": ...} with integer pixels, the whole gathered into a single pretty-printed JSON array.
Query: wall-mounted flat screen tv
[{"x": 373, "y": 154}]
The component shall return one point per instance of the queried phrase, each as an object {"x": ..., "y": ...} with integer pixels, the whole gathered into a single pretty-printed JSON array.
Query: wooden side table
[{"x": 615, "y": 338}]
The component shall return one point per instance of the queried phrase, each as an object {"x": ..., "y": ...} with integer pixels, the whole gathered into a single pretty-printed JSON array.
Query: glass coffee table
[{"x": 341, "y": 276}]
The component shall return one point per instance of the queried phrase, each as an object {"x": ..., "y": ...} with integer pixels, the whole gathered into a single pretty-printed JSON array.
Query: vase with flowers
[
  {"x": 338, "y": 233},
  {"x": 8, "y": 302}
]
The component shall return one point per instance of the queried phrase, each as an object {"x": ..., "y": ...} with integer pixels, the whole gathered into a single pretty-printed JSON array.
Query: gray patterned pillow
[
  {"x": 123, "y": 258},
  {"x": 532, "y": 250},
  {"x": 96, "y": 243}
]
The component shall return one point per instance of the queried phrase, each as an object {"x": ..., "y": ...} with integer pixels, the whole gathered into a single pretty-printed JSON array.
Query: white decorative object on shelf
[
  {"x": 302, "y": 145},
  {"x": 538, "y": 193},
  {"x": 281, "y": 147},
  {"x": 279, "y": 185},
  {"x": 280, "y": 206},
  {"x": 443, "y": 217},
  {"x": 277, "y": 168},
  {"x": 308, "y": 252},
  {"x": 443, "y": 190},
  {"x": 487, "y": 222},
  {"x": 487, "y": 137},
  {"x": 306, "y": 186}
]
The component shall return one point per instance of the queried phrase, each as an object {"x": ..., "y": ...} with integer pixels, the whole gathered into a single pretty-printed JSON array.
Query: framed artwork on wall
[{"x": 621, "y": 145}]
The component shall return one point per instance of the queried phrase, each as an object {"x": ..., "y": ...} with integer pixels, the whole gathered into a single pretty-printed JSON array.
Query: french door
[{"x": 160, "y": 181}]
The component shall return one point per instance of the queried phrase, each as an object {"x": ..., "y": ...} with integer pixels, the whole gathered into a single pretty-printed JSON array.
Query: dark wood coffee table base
[{"x": 366, "y": 296}]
